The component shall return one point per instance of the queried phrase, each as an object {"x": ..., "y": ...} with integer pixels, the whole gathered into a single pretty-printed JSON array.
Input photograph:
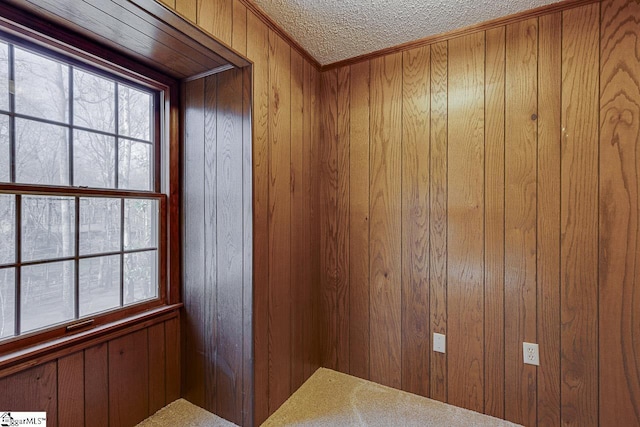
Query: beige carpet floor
[
  {"x": 184, "y": 414},
  {"x": 330, "y": 399}
]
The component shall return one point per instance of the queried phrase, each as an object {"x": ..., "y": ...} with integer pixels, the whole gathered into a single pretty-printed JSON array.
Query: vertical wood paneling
[
  {"x": 111, "y": 383},
  {"x": 128, "y": 379},
  {"x": 279, "y": 222},
  {"x": 248, "y": 397},
  {"x": 239, "y": 35},
  {"x": 520, "y": 218},
  {"x": 579, "y": 215},
  {"x": 32, "y": 390},
  {"x": 309, "y": 276},
  {"x": 315, "y": 218},
  {"x": 96, "y": 385},
  {"x": 548, "y": 249},
  {"x": 438, "y": 215},
  {"x": 71, "y": 390},
  {"x": 416, "y": 118},
  {"x": 328, "y": 217},
  {"x": 258, "y": 51},
  {"x": 465, "y": 207},
  {"x": 216, "y": 17},
  {"x": 193, "y": 350},
  {"x": 298, "y": 222},
  {"x": 172, "y": 359},
  {"x": 229, "y": 177},
  {"x": 169, "y": 3},
  {"x": 494, "y": 222},
  {"x": 342, "y": 222},
  {"x": 619, "y": 298},
  {"x": 157, "y": 368},
  {"x": 208, "y": 223},
  {"x": 359, "y": 221},
  {"x": 188, "y": 9},
  {"x": 385, "y": 235}
]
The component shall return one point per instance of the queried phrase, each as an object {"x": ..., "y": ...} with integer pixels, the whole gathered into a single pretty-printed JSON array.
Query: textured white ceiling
[{"x": 333, "y": 30}]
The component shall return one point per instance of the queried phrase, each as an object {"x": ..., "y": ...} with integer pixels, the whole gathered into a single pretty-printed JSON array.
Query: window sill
[{"x": 17, "y": 361}]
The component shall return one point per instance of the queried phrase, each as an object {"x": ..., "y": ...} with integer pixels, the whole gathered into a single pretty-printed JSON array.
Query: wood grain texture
[
  {"x": 32, "y": 390},
  {"x": 188, "y": 9},
  {"x": 359, "y": 221},
  {"x": 172, "y": 359},
  {"x": 239, "y": 34},
  {"x": 129, "y": 379},
  {"x": 229, "y": 178},
  {"x": 193, "y": 348},
  {"x": 438, "y": 215},
  {"x": 520, "y": 219},
  {"x": 248, "y": 396},
  {"x": 169, "y": 3},
  {"x": 328, "y": 218},
  {"x": 494, "y": 222},
  {"x": 548, "y": 245},
  {"x": 416, "y": 120},
  {"x": 579, "y": 215},
  {"x": 207, "y": 221},
  {"x": 71, "y": 390},
  {"x": 299, "y": 225},
  {"x": 386, "y": 221},
  {"x": 216, "y": 17},
  {"x": 157, "y": 368},
  {"x": 96, "y": 385},
  {"x": 311, "y": 276},
  {"x": 619, "y": 295},
  {"x": 465, "y": 208},
  {"x": 258, "y": 51},
  {"x": 279, "y": 221},
  {"x": 315, "y": 218},
  {"x": 342, "y": 222}
]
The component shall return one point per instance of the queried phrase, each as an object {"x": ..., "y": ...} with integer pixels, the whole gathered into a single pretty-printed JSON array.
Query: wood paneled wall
[
  {"x": 217, "y": 290},
  {"x": 116, "y": 383},
  {"x": 285, "y": 116},
  {"x": 486, "y": 187}
]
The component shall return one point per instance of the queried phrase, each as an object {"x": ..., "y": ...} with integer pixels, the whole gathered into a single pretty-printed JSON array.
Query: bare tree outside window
[{"x": 65, "y": 126}]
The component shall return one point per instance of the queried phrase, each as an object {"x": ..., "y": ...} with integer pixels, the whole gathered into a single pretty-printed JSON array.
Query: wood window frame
[{"x": 36, "y": 34}]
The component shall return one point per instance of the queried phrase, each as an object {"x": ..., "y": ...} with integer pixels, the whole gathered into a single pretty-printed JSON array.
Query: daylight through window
[{"x": 79, "y": 198}]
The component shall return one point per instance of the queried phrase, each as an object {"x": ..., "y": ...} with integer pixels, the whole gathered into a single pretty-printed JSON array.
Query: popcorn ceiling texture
[{"x": 334, "y": 30}]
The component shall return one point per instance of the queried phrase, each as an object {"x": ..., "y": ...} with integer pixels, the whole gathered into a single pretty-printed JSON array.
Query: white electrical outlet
[
  {"x": 530, "y": 353},
  {"x": 439, "y": 342}
]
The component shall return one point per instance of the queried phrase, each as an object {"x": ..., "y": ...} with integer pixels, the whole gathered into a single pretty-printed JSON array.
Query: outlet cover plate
[
  {"x": 439, "y": 342},
  {"x": 530, "y": 353}
]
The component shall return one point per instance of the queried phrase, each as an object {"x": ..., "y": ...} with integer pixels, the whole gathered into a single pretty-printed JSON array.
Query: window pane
[
  {"x": 7, "y": 302},
  {"x": 7, "y": 228},
  {"x": 134, "y": 170},
  {"x": 99, "y": 284},
  {"x": 48, "y": 227},
  {"x": 93, "y": 101},
  {"x": 5, "y": 154},
  {"x": 42, "y": 86},
  {"x": 94, "y": 160},
  {"x": 99, "y": 225},
  {"x": 4, "y": 76},
  {"x": 42, "y": 153},
  {"x": 140, "y": 223},
  {"x": 140, "y": 272},
  {"x": 46, "y": 295},
  {"x": 134, "y": 113}
]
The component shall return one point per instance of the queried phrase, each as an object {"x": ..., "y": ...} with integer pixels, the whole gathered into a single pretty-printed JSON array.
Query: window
[{"x": 80, "y": 200}]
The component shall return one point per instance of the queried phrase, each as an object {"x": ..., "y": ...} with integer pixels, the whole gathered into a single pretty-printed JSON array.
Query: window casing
[{"x": 81, "y": 211}]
